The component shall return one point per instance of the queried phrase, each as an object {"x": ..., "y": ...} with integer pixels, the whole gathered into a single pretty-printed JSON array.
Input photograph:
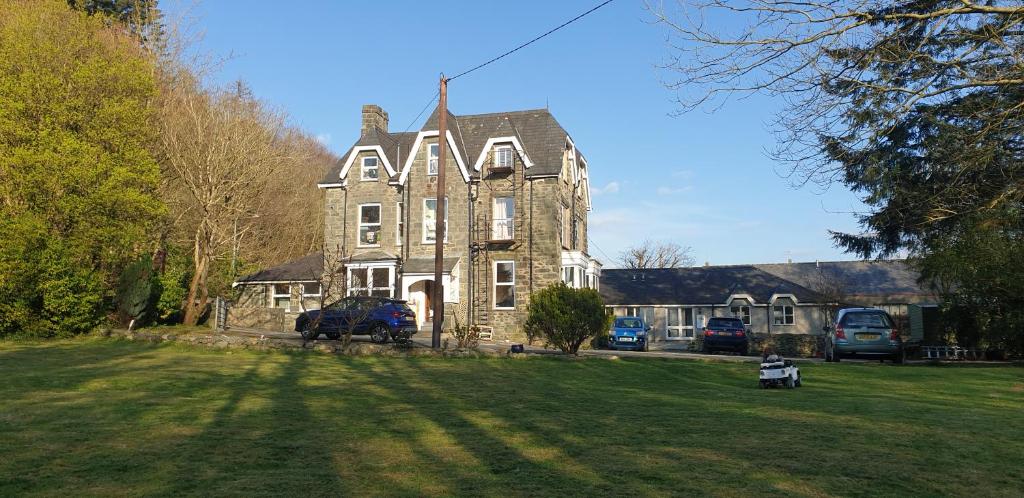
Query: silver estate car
[{"x": 863, "y": 333}]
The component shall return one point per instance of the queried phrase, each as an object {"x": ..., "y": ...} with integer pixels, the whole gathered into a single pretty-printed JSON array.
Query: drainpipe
[
  {"x": 469, "y": 253},
  {"x": 530, "y": 251}
]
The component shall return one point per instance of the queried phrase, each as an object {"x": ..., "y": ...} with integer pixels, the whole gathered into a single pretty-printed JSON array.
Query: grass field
[{"x": 104, "y": 417}]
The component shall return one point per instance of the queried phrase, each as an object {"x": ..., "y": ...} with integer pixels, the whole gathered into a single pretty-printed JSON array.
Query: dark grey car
[{"x": 863, "y": 333}]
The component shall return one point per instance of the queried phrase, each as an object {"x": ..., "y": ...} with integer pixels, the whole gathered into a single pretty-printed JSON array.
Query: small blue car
[{"x": 629, "y": 333}]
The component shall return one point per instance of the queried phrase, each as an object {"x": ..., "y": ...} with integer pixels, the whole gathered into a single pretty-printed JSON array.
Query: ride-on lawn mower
[{"x": 778, "y": 372}]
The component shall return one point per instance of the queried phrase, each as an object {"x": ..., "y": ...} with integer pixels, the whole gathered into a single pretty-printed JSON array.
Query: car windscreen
[
  {"x": 867, "y": 320},
  {"x": 734, "y": 323},
  {"x": 629, "y": 323}
]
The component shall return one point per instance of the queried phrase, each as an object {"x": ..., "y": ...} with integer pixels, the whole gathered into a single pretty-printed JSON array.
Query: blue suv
[
  {"x": 628, "y": 332},
  {"x": 378, "y": 317}
]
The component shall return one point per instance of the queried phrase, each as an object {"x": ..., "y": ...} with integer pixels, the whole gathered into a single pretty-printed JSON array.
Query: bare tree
[
  {"x": 828, "y": 58},
  {"x": 650, "y": 254},
  {"x": 831, "y": 291},
  {"x": 219, "y": 151}
]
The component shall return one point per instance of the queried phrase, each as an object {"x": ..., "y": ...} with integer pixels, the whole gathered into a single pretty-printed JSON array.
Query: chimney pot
[{"x": 374, "y": 117}]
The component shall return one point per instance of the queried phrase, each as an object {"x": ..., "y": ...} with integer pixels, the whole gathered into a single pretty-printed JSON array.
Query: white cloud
[
  {"x": 673, "y": 190},
  {"x": 684, "y": 174},
  {"x": 611, "y": 188},
  {"x": 324, "y": 138}
]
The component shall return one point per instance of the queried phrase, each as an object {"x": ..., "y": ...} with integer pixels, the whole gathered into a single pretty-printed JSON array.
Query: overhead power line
[
  {"x": 514, "y": 50},
  {"x": 431, "y": 101}
]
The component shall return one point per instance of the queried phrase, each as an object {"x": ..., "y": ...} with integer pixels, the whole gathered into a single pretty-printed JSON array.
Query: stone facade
[{"x": 526, "y": 213}]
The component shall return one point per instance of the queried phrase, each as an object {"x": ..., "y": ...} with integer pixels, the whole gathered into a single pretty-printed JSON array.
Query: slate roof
[
  {"x": 542, "y": 138},
  {"x": 306, "y": 268},
  {"x": 876, "y": 281},
  {"x": 426, "y": 265},
  {"x": 892, "y": 280},
  {"x": 699, "y": 285}
]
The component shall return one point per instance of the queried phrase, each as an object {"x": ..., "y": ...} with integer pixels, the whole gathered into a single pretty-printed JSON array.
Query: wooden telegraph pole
[{"x": 440, "y": 230}]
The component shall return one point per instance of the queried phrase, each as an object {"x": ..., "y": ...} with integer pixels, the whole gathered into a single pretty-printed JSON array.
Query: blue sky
[{"x": 701, "y": 179}]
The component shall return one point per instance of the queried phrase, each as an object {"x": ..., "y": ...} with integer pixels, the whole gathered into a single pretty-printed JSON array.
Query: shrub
[
  {"x": 566, "y": 317},
  {"x": 789, "y": 345}
]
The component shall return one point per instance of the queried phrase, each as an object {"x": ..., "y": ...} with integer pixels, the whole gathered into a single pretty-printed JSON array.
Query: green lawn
[{"x": 104, "y": 417}]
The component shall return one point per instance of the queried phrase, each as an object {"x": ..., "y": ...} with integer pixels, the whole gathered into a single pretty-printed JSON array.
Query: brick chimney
[{"x": 374, "y": 117}]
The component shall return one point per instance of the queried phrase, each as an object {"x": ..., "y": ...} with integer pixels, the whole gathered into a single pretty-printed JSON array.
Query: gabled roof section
[
  {"x": 541, "y": 138},
  {"x": 393, "y": 146}
]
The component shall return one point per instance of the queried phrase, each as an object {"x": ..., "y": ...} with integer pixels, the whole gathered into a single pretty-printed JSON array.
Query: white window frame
[
  {"x": 744, "y": 316},
  {"x": 496, "y": 284},
  {"x": 303, "y": 296},
  {"x": 274, "y": 296},
  {"x": 507, "y": 231},
  {"x": 685, "y": 332},
  {"x": 635, "y": 311},
  {"x": 425, "y": 240},
  {"x": 783, "y": 308},
  {"x": 360, "y": 224},
  {"x": 364, "y": 168},
  {"x": 433, "y": 157},
  {"x": 499, "y": 151},
  {"x": 370, "y": 285},
  {"x": 399, "y": 222}
]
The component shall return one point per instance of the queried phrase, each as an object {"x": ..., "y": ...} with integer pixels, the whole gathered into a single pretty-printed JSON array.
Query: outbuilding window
[
  {"x": 281, "y": 296},
  {"x": 783, "y": 315}
]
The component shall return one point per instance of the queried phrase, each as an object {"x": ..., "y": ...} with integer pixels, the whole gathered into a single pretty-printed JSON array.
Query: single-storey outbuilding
[{"x": 787, "y": 298}]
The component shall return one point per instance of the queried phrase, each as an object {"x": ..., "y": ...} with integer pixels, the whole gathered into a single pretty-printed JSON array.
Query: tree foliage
[
  {"x": 913, "y": 104},
  {"x": 565, "y": 317},
  {"x": 77, "y": 181},
  {"x": 650, "y": 254}
]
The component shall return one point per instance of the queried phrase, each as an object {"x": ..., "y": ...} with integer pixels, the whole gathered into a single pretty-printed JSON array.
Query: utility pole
[{"x": 440, "y": 230}]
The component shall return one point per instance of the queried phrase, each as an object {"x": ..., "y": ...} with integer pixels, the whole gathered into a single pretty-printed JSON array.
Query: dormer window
[
  {"x": 432, "y": 156},
  {"x": 502, "y": 157},
  {"x": 370, "y": 169}
]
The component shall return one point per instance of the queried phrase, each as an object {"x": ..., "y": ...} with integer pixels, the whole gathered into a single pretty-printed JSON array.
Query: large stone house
[
  {"x": 518, "y": 198},
  {"x": 784, "y": 298}
]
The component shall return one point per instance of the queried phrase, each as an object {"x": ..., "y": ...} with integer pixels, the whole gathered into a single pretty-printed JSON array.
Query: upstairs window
[
  {"x": 432, "y": 155},
  {"x": 370, "y": 170},
  {"x": 430, "y": 220},
  {"x": 504, "y": 217},
  {"x": 369, "y": 225},
  {"x": 401, "y": 223},
  {"x": 502, "y": 157}
]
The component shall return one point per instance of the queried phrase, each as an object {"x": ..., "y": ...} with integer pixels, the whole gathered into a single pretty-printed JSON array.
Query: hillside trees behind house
[
  {"x": 565, "y": 317},
  {"x": 240, "y": 184},
  {"x": 915, "y": 105},
  {"x": 653, "y": 254},
  {"x": 78, "y": 183},
  {"x": 106, "y": 147}
]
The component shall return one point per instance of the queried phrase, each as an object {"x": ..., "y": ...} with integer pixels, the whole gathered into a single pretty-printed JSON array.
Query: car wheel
[
  {"x": 334, "y": 336},
  {"x": 379, "y": 334},
  {"x": 745, "y": 351},
  {"x": 835, "y": 355},
  {"x": 900, "y": 358},
  {"x": 798, "y": 382},
  {"x": 790, "y": 384},
  {"x": 308, "y": 332}
]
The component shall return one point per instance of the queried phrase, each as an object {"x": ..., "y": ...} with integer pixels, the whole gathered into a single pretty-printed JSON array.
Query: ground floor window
[
  {"x": 310, "y": 295},
  {"x": 742, "y": 312},
  {"x": 783, "y": 315},
  {"x": 281, "y": 296},
  {"x": 373, "y": 281},
  {"x": 645, "y": 312},
  {"x": 504, "y": 285},
  {"x": 680, "y": 323}
]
